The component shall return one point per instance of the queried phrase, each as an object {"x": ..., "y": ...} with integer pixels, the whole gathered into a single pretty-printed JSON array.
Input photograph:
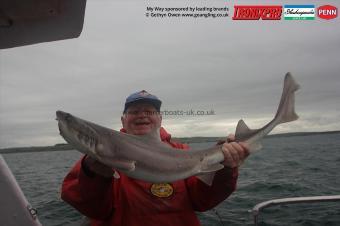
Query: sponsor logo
[
  {"x": 299, "y": 12},
  {"x": 327, "y": 12},
  {"x": 162, "y": 190},
  {"x": 256, "y": 12}
]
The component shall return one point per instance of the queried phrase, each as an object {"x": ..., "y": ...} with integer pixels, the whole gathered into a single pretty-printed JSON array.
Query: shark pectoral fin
[
  {"x": 207, "y": 178},
  {"x": 207, "y": 174}
]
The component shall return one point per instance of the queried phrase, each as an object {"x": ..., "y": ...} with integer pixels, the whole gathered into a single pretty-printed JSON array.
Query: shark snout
[
  {"x": 64, "y": 116},
  {"x": 77, "y": 130},
  {"x": 59, "y": 115}
]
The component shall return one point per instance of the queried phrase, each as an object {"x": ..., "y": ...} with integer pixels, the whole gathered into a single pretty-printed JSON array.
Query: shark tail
[
  {"x": 285, "y": 113},
  {"x": 286, "y": 110}
]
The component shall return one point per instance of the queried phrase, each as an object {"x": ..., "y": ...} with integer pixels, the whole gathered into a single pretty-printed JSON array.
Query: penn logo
[{"x": 327, "y": 12}]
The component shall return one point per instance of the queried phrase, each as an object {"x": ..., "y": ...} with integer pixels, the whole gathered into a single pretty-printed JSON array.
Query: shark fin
[
  {"x": 207, "y": 178},
  {"x": 207, "y": 174},
  {"x": 152, "y": 135},
  {"x": 242, "y": 128},
  {"x": 243, "y": 132},
  {"x": 286, "y": 109}
]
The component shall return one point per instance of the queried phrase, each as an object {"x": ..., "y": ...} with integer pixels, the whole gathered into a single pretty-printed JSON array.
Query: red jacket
[{"x": 130, "y": 202}]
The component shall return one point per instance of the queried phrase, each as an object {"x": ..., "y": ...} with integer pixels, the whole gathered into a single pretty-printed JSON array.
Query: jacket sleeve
[
  {"x": 92, "y": 195},
  {"x": 204, "y": 197}
]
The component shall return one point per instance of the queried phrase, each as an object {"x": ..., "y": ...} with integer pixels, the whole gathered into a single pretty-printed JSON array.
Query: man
[{"x": 92, "y": 189}]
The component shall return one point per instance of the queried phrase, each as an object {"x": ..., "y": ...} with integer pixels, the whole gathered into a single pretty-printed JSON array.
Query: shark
[{"x": 147, "y": 158}]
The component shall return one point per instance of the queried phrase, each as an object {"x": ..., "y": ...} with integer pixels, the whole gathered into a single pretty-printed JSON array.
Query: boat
[
  {"x": 27, "y": 22},
  {"x": 14, "y": 209},
  {"x": 293, "y": 200}
]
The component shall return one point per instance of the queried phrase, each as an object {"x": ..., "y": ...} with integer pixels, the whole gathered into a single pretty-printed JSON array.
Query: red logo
[
  {"x": 327, "y": 12},
  {"x": 256, "y": 12}
]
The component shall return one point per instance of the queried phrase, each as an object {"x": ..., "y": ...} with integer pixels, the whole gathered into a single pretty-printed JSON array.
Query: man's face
[{"x": 141, "y": 118}]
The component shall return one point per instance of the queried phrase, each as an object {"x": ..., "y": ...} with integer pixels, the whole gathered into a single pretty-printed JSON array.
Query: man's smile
[{"x": 142, "y": 123}]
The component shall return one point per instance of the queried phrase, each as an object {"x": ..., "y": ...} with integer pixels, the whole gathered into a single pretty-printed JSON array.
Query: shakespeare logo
[
  {"x": 256, "y": 12},
  {"x": 299, "y": 12}
]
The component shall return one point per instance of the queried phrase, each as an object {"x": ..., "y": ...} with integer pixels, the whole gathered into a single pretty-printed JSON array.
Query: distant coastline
[
  {"x": 57, "y": 147},
  {"x": 65, "y": 146}
]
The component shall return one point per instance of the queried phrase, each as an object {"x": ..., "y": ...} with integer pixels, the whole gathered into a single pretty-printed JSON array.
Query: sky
[{"x": 234, "y": 68}]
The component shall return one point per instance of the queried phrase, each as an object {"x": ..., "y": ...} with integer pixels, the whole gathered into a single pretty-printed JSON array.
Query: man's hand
[
  {"x": 234, "y": 153},
  {"x": 97, "y": 167}
]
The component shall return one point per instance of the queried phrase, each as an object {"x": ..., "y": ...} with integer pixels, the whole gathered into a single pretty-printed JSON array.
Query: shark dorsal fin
[
  {"x": 242, "y": 129},
  {"x": 243, "y": 132},
  {"x": 153, "y": 135}
]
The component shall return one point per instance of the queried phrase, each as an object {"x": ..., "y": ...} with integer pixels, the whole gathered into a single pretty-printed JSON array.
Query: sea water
[{"x": 291, "y": 166}]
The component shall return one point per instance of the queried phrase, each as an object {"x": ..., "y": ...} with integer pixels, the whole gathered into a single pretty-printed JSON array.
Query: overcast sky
[{"x": 235, "y": 68}]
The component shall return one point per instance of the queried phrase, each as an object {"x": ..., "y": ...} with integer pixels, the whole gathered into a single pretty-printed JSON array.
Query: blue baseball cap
[{"x": 143, "y": 97}]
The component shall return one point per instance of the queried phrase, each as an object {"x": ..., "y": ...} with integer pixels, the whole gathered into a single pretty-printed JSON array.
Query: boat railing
[{"x": 257, "y": 208}]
